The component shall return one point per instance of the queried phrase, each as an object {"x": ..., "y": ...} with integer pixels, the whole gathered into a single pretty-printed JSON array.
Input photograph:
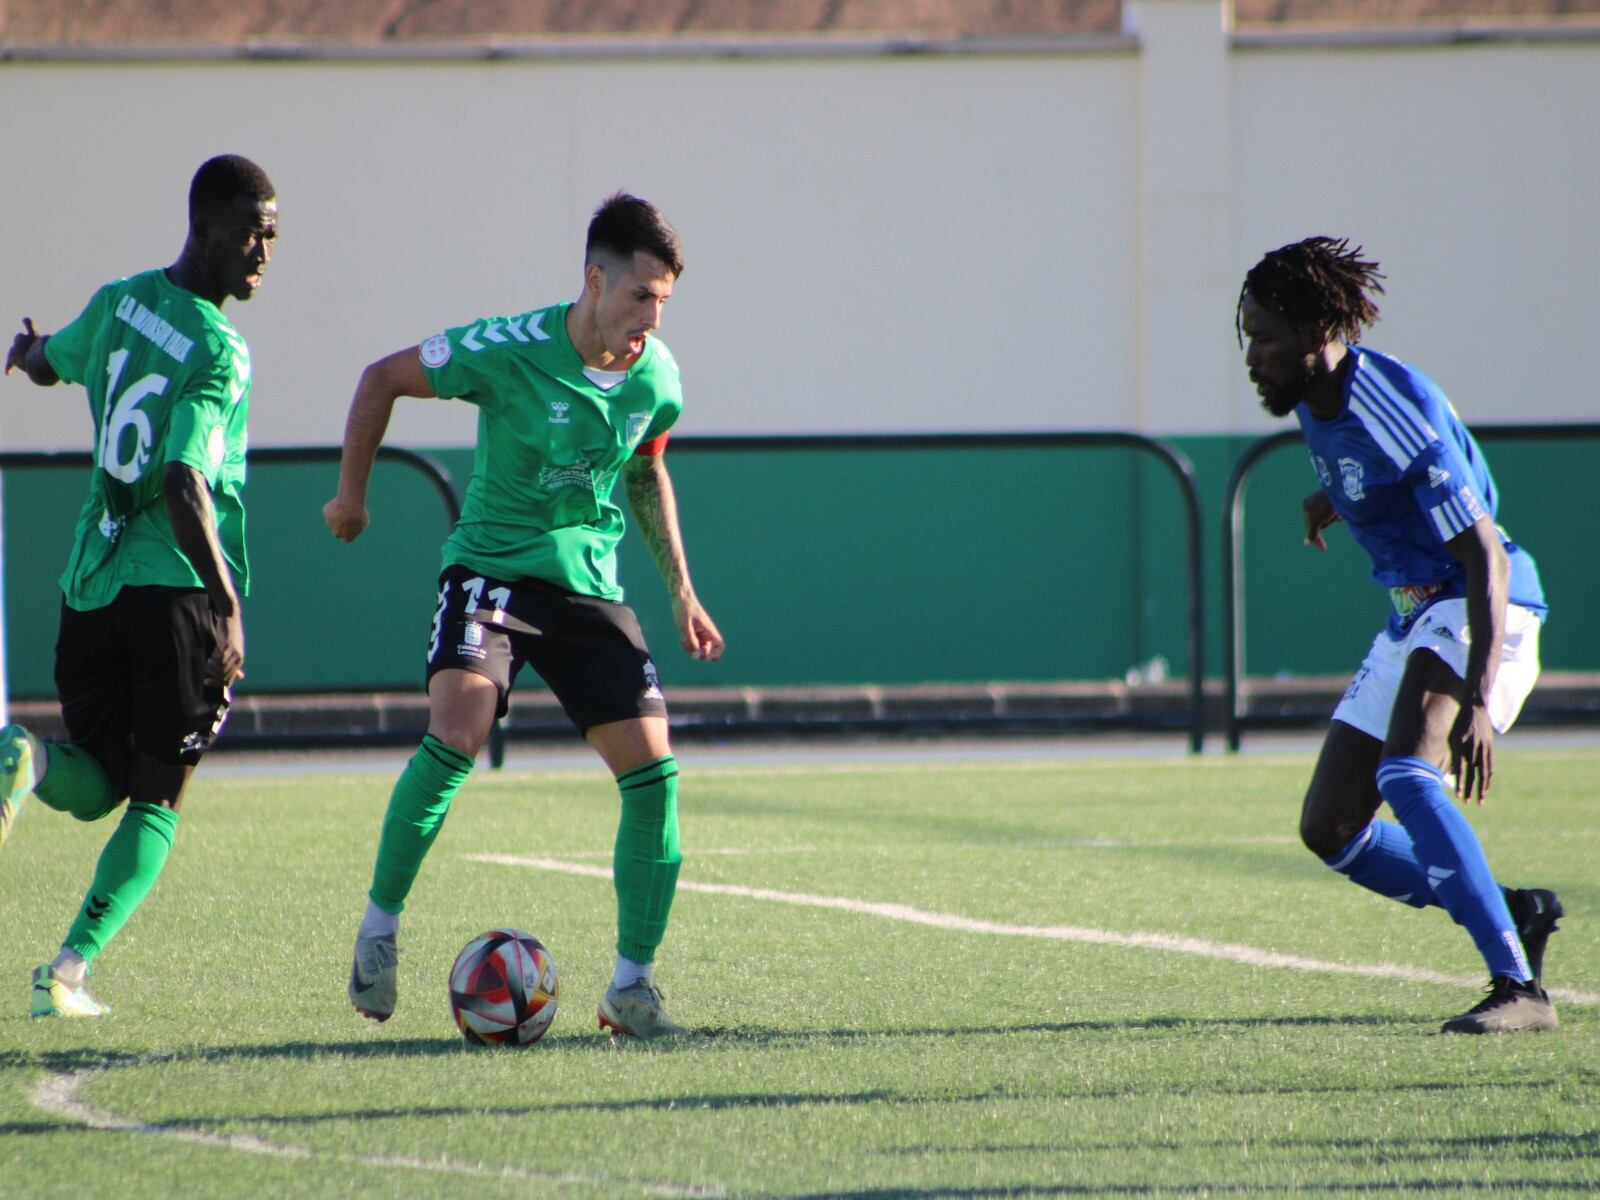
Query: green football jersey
[
  {"x": 168, "y": 379},
  {"x": 551, "y": 441}
]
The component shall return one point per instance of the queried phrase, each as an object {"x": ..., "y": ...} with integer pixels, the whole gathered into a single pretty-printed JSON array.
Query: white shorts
[{"x": 1370, "y": 697}]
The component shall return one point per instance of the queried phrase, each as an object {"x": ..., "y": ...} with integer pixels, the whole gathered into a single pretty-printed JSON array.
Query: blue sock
[
  {"x": 1453, "y": 859},
  {"x": 1382, "y": 859}
]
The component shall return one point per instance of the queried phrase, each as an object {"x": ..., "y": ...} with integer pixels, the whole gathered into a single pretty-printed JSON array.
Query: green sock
[
  {"x": 644, "y": 866},
  {"x": 128, "y": 866},
  {"x": 76, "y": 783},
  {"x": 417, "y": 808}
]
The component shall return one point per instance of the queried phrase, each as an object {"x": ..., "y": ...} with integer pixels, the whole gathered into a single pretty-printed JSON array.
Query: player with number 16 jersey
[
  {"x": 168, "y": 379},
  {"x": 151, "y": 634}
]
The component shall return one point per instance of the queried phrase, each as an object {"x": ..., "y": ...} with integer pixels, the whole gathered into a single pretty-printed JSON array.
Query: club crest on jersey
[
  {"x": 1325, "y": 475},
  {"x": 1351, "y": 472},
  {"x": 436, "y": 351},
  {"x": 558, "y": 412},
  {"x": 637, "y": 423}
]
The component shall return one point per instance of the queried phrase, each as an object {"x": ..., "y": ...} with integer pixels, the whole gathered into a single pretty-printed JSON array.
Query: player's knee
[
  {"x": 459, "y": 737},
  {"x": 1322, "y": 836}
]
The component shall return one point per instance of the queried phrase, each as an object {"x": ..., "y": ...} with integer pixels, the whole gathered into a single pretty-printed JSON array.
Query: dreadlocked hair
[{"x": 1319, "y": 283}]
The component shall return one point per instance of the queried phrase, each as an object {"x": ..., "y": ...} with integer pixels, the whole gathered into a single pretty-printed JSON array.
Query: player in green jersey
[
  {"x": 569, "y": 398},
  {"x": 151, "y": 633}
]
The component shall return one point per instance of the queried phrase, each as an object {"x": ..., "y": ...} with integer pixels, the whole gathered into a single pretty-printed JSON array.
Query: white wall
[{"x": 950, "y": 242}]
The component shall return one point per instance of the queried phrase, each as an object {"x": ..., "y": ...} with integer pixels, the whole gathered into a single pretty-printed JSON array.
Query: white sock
[
  {"x": 377, "y": 923},
  {"x": 70, "y": 967},
  {"x": 41, "y": 760},
  {"x": 629, "y": 972}
]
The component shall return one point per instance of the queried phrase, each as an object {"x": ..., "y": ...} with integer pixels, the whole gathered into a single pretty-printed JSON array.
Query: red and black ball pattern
[{"x": 503, "y": 989}]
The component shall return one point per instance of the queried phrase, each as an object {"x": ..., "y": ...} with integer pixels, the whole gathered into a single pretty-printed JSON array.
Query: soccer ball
[{"x": 503, "y": 989}]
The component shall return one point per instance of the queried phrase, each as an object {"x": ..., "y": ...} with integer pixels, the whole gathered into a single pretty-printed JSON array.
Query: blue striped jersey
[{"x": 1407, "y": 477}]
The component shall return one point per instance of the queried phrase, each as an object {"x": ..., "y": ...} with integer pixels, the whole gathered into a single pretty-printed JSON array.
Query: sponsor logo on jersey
[
  {"x": 436, "y": 351},
  {"x": 1323, "y": 473},
  {"x": 578, "y": 475},
  {"x": 1411, "y": 597},
  {"x": 1352, "y": 472},
  {"x": 637, "y": 423},
  {"x": 1437, "y": 476},
  {"x": 558, "y": 412}
]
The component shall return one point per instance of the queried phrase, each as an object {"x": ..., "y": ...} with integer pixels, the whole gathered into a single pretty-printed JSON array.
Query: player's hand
[
  {"x": 697, "y": 633},
  {"x": 20, "y": 345},
  {"x": 347, "y": 520},
  {"x": 1318, "y": 512},
  {"x": 1472, "y": 752},
  {"x": 231, "y": 647}
]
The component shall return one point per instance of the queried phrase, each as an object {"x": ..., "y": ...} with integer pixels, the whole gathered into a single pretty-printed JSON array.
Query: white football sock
[
  {"x": 377, "y": 922},
  {"x": 629, "y": 972},
  {"x": 70, "y": 967}
]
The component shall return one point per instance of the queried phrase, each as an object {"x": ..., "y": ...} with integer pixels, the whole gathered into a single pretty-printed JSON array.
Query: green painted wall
[{"x": 851, "y": 566}]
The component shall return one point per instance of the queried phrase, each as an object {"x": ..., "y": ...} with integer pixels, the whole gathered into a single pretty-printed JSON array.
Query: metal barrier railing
[
  {"x": 1235, "y": 719},
  {"x": 1176, "y": 463}
]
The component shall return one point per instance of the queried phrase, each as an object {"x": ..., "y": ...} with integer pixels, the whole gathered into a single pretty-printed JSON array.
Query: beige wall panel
[
  {"x": 1472, "y": 173},
  {"x": 872, "y": 244}
]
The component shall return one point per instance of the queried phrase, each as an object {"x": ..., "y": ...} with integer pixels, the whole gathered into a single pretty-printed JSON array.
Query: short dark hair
[
  {"x": 1319, "y": 283},
  {"x": 624, "y": 225},
  {"x": 222, "y": 179}
]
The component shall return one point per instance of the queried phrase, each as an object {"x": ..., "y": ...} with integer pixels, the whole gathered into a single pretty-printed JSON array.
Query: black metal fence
[{"x": 1174, "y": 461}]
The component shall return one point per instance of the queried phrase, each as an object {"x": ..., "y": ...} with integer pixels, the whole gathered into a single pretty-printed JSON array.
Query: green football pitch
[{"x": 1031, "y": 977}]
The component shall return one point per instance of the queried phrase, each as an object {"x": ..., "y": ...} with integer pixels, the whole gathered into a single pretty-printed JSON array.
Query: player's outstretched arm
[
  {"x": 27, "y": 352},
  {"x": 381, "y": 384},
  {"x": 1479, "y": 550},
  {"x": 194, "y": 524},
  {"x": 655, "y": 509}
]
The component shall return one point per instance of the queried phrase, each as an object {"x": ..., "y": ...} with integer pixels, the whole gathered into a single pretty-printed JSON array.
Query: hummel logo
[
  {"x": 1437, "y": 476},
  {"x": 558, "y": 412},
  {"x": 96, "y": 908}
]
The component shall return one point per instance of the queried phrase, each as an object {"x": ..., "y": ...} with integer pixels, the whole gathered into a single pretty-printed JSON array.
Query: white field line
[
  {"x": 57, "y": 1093},
  {"x": 1092, "y": 843},
  {"x": 1172, "y": 943},
  {"x": 733, "y": 851}
]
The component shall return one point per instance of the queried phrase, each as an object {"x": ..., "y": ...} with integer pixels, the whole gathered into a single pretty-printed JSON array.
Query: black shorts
[
  {"x": 143, "y": 673},
  {"x": 589, "y": 651}
]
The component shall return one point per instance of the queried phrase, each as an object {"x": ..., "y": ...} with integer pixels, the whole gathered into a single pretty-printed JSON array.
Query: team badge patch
[
  {"x": 436, "y": 351},
  {"x": 1352, "y": 473},
  {"x": 637, "y": 423}
]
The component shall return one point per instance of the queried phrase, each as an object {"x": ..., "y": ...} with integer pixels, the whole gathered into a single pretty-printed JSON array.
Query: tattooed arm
[{"x": 655, "y": 509}]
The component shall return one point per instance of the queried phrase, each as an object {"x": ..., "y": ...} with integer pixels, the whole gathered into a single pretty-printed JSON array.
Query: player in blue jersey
[{"x": 1461, "y": 650}]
